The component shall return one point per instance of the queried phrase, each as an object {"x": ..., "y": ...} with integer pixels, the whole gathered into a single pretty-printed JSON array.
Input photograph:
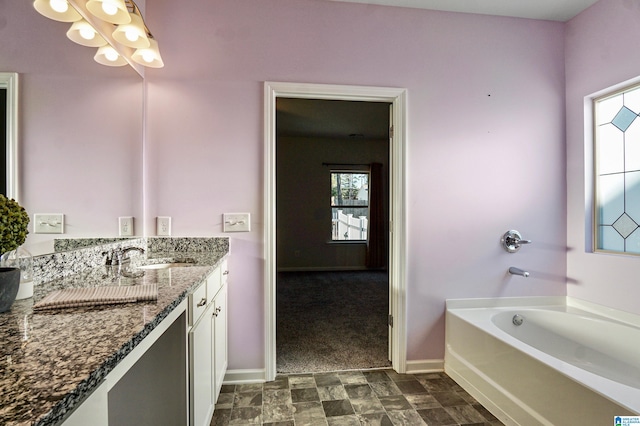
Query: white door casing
[{"x": 397, "y": 226}]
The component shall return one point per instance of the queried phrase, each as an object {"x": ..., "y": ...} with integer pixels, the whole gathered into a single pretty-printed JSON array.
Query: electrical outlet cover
[
  {"x": 48, "y": 223},
  {"x": 125, "y": 226},
  {"x": 236, "y": 222},
  {"x": 163, "y": 226}
]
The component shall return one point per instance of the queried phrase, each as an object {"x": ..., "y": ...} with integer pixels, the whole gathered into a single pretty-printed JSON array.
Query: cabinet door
[
  {"x": 220, "y": 358},
  {"x": 201, "y": 374}
]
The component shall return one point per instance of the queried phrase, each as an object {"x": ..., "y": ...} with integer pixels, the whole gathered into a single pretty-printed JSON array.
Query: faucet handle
[
  {"x": 512, "y": 240},
  {"x": 108, "y": 259}
]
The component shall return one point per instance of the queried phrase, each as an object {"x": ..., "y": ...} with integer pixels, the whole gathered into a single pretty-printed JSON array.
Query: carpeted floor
[{"x": 331, "y": 321}]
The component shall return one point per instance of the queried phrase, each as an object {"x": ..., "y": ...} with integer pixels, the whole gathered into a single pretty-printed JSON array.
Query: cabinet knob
[
  {"x": 226, "y": 272},
  {"x": 218, "y": 309},
  {"x": 202, "y": 302}
]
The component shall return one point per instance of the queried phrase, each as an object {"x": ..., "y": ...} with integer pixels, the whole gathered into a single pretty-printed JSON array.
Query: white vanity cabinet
[
  {"x": 208, "y": 346},
  {"x": 200, "y": 369}
]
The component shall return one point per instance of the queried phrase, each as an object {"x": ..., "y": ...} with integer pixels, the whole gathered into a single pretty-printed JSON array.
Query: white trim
[
  {"x": 398, "y": 240},
  {"x": 425, "y": 366},
  {"x": 240, "y": 377},
  {"x": 9, "y": 81}
]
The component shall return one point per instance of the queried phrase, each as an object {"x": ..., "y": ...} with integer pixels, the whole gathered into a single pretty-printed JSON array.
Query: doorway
[{"x": 397, "y": 239}]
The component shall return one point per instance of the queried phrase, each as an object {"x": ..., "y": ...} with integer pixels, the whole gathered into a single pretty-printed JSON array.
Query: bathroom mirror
[
  {"x": 80, "y": 129},
  {"x": 9, "y": 132}
]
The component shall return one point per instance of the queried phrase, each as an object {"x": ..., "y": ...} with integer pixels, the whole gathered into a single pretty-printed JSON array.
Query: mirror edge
[{"x": 9, "y": 81}]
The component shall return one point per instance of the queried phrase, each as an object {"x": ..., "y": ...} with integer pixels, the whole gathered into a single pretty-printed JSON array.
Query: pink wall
[
  {"x": 80, "y": 128},
  {"x": 485, "y": 140},
  {"x": 601, "y": 51}
]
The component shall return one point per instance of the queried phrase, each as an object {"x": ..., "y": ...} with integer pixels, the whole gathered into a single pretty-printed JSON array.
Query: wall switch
[
  {"x": 236, "y": 222},
  {"x": 48, "y": 223},
  {"x": 125, "y": 226},
  {"x": 163, "y": 226}
]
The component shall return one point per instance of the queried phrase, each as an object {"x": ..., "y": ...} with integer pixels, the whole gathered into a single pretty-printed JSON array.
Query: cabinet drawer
[
  {"x": 214, "y": 282},
  {"x": 197, "y": 303}
]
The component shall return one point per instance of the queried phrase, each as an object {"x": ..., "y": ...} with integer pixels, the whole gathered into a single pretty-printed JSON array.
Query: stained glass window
[{"x": 617, "y": 171}]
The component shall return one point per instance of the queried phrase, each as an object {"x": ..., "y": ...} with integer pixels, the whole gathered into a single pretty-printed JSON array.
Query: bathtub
[{"x": 568, "y": 362}]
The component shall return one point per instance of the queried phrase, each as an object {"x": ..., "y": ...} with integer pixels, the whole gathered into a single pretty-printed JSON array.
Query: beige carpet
[{"x": 331, "y": 321}]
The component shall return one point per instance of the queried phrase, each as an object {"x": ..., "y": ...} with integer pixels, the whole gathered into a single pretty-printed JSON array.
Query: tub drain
[{"x": 517, "y": 320}]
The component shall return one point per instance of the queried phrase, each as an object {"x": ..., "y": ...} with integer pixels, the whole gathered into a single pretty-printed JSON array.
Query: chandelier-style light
[{"x": 115, "y": 27}]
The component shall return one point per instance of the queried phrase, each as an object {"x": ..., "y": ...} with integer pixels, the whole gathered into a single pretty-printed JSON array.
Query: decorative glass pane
[
  {"x": 607, "y": 109},
  {"x": 632, "y": 147},
  {"x": 624, "y": 118},
  {"x": 632, "y": 198},
  {"x": 610, "y": 149},
  {"x": 632, "y": 242},
  {"x": 610, "y": 239},
  {"x": 632, "y": 100},
  {"x": 611, "y": 198}
]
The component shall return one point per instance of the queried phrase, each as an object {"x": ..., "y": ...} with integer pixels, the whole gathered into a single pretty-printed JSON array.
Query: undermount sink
[{"x": 165, "y": 265}]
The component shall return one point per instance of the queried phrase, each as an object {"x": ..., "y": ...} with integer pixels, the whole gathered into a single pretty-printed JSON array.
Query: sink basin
[{"x": 165, "y": 265}]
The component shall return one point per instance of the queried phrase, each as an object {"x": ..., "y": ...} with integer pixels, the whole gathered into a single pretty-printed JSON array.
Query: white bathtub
[{"x": 569, "y": 362}]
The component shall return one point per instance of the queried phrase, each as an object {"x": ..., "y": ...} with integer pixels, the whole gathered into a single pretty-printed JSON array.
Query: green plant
[{"x": 14, "y": 222}]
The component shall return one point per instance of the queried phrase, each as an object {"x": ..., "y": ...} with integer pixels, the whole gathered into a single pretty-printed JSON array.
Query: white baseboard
[
  {"x": 425, "y": 366},
  {"x": 240, "y": 377}
]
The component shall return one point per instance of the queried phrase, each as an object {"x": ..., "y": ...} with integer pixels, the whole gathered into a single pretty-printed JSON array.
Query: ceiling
[{"x": 552, "y": 10}]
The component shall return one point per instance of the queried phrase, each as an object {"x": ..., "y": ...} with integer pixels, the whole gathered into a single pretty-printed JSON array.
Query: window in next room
[{"x": 349, "y": 205}]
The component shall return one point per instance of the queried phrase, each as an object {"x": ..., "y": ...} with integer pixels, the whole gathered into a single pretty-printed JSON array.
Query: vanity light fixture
[{"x": 115, "y": 27}]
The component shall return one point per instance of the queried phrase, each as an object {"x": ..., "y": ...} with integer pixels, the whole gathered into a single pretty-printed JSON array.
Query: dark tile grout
[{"x": 354, "y": 397}]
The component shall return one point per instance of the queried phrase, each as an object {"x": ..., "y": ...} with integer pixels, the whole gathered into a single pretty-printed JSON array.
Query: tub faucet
[{"x": 517, "y": 271}]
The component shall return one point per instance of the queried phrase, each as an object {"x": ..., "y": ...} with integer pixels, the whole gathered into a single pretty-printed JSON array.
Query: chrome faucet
[{"x": 116, "y": 256}]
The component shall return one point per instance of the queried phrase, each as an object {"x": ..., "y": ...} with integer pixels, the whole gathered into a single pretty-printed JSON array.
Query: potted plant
[{"x": 14, "y": 222}]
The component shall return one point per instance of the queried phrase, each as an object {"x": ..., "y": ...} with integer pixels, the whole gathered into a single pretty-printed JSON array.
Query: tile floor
[{"x": 360, "y": 397}]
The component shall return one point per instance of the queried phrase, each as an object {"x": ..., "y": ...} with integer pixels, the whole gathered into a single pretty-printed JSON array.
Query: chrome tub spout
[{"x": 517, "y": 271}]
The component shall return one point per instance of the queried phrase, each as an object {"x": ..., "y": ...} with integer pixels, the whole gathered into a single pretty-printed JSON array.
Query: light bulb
[
  {"x": 109, "y": 8},
  {"x": 60, "y": 6},
  {"x": 148, "y": 56},
  {"x": 87, "y": 33},
  {"x": 131, "y": 34},
  {"x": 111, "y": 55}
]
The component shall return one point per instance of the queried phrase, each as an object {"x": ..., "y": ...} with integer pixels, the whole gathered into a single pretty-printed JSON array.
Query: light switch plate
[
  {"x": 236, "y": 222},
  {"x": 48, "y": 223},
  {"x": 125, "y": 226},
  {"x": 163, "y": 226}
]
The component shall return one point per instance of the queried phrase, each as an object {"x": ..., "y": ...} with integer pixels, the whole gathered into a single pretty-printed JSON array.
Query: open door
[{"x": 397, "y": 224}]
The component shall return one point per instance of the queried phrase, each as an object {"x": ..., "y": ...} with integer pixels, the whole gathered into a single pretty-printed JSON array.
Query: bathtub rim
[{"x": 623, "y": 395}]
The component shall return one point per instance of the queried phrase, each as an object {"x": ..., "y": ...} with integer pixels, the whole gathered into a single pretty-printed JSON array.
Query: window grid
[{"x": 617, "y": 171}]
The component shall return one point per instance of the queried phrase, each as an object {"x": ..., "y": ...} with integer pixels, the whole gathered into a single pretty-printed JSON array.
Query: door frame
[{"x": 397, "y": 212}]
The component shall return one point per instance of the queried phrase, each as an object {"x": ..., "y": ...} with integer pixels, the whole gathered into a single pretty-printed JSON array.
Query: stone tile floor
[{"x": 359, "y": 397}]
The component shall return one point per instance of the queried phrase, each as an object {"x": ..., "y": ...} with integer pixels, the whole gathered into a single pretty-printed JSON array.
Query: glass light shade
[
  {"x": 108, "y": 56},
  {"x": 58, "y": 10},
  {"x": 150, "y": 56},
  {"x": 132, "y": 34},
  {"x": 112, "y": 11},
  {"x": 83, "y": 33}
]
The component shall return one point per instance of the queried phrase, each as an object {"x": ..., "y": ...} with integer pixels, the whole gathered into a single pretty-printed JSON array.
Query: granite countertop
[{"x": 51, "y": 360}]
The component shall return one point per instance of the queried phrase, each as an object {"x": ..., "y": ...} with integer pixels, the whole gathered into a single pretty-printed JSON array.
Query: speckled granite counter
[{"x": 50, "y": 361}]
